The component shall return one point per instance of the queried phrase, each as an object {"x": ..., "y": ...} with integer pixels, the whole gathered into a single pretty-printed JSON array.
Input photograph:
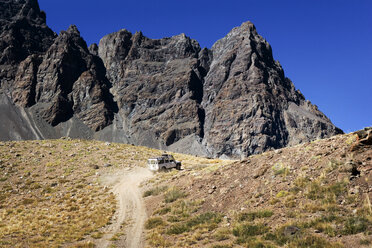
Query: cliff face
[
  {"x": 250, "y": 105},
  {"x": 168, "y": 93},
  {"x": 55, "y": 74},
  {"x": 23, "y": 32},
  {"x": 158, "y": 85}
]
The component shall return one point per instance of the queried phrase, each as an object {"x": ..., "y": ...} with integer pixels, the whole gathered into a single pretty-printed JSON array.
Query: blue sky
[{"x": 324, "y": 46}]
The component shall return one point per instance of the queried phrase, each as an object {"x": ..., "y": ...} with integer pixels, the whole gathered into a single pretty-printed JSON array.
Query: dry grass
[
  {"x": 51, "y": 192},
  {"x": 308, "y": 186}
]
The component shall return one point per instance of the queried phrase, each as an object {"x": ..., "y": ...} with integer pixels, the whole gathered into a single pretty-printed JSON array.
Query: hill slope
[
  {"x": 73, "y": 192},
  {"x": 60, "y": 192},
  {"x": 316, "y": 194}
]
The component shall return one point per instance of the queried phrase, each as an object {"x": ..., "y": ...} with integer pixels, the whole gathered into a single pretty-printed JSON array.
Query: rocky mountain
[{"x": 230, "y": 100}]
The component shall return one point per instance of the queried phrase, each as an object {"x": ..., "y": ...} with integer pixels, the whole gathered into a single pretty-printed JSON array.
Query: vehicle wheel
[
  {"x": 162, "y": 169},
  {"x": 178, "y": 167}
]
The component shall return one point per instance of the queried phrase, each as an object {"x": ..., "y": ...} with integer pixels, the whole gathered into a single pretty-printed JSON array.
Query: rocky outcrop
[
  {"x": 55, "y": 74},
  {"x": 230, "y": 100},
  {"x": 157, "y": 83},
  {"x": 233, "y": 99},
  {"x": 23, "y": 32},
  {"x": 250, "y": 105},
  {"x": 71, "y": 81}
]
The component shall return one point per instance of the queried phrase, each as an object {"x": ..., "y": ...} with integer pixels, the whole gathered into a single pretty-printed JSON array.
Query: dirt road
[{"x": 131, "y": 214}]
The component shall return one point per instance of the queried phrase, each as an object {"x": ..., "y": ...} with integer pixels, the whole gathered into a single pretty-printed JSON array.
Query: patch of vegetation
[
  {"x": 173, "y": 194},
  {"x": 155, "y": 191},
  {"x": 222, "y": 234},
  {"x": 178, "y": 228},
  {"x": 156, "y": 239},
  {"x": 313, "y": 242},
  {"x": 154, "y": 222},
  {"x": 245, "y": 232},
  {"x": 354, "y": 225},
  {"x": 251, "y": 216},
  {"x": 365, "y": 242},
  {"x": 222, "y": 246},
  {"x": 282, "y": 193},
  {"x": 116, "y": 236},
  {"x": 328, "y": 193},
  {"x": 162, "y": 211},
  {"x": 280, "y": 169},
  {"x": 209, "y": 220}
]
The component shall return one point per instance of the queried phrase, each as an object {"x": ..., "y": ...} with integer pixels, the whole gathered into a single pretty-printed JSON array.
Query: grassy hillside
[
  {"x": 51, "y": 191},
  {"x": 313, "y": 195}
]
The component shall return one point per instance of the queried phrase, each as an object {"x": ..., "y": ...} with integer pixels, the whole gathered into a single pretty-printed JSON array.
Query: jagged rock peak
[
  {"x": 23, "y": 33},
  {"x": 250, "y": 105},
  {"x": 18, "y": 9},
  {"x": 72, "y": 29}
]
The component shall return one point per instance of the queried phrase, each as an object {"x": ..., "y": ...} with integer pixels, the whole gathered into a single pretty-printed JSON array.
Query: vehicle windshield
[{"x": 152, "y": 161}]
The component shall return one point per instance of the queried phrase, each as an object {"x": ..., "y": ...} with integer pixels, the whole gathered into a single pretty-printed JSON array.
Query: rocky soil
[{"x": 316, "y": 194}]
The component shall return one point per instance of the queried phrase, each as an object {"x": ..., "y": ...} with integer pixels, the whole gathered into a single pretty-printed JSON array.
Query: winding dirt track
[{"x": 126, "y": 187}]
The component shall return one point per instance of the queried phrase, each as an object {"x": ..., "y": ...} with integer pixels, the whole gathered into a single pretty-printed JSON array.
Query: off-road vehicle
[{"x": 165, "y": 161}]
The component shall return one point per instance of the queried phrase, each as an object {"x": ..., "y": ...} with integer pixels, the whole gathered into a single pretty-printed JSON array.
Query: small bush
[
  {"x": 154, "y": 222},
  {"x": 155, "y": 191},
  {"x": 313, "y": 242},
  {"x": 221, "y": 246},
  {"x": 163, "y": 211},
  {"x": 222, "y": 234},
  {"x": 178, "y": 229},
  {"x": 248, "y": 230},
  {"x": 365, "y": 242},
  {"x": 173, "y": 195},
  {"x": 251, "y": 216},
  {"x": 354, "y": 225},
  {"x": 157, "y": 240},
  {"x": 209, "y": 218},
  {"x": 27, "y": 201},
  {"x": 174, "y": 218},
  {"x": 329, "y": 193},
  {"x": 282, "y": 193},
  {"x": 280, "y": 169}
]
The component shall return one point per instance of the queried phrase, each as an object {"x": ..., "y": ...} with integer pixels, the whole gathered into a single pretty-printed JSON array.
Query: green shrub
[
  {"x": 155, "y": 191},
  {"x": 282, "y": 193},
  {"x": 27, "y": 201},
  {"x": 222, "y": 234},
  {"x": 208, "y": 217},
  {"x": 329, "y": 193},
  {"x": 221, "y": 246},
  {"x": 163, "y": 211},
  {"x": 248, "y": 230},
  {"x": 173, "y": 195},
  {"x": 251, "y": 216},
  {"x": 312, "y": 242},
  {"x": 154, "y": 222},
  {"x": 354, "y": 225},
  {"x": 280, "y": 169},
  {"x": 178, "y": 229}
]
